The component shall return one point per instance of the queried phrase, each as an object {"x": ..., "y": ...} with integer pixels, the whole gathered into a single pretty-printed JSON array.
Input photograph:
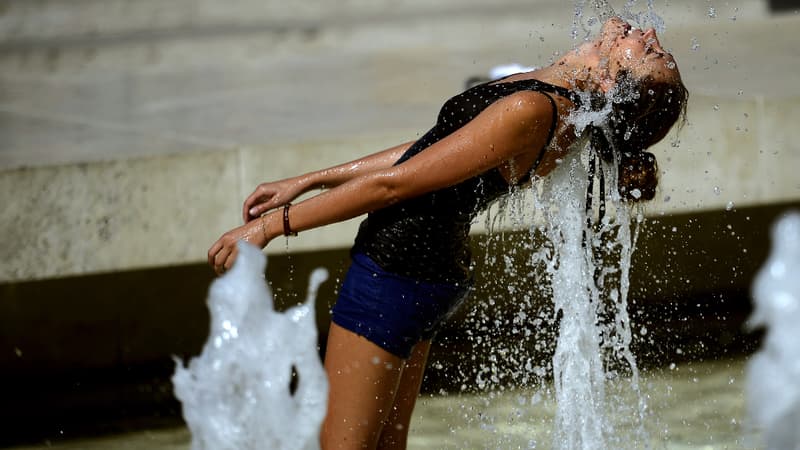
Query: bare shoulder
[
  {"x": 523, "y": 109},
  {"x": 527, "y": 104}
]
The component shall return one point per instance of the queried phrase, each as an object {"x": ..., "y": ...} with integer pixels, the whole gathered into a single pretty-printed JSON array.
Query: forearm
[
  {"x": 337, "y": 175},
  {"x": 507, "y": 129},
  {"x": 351, "y": 199}
]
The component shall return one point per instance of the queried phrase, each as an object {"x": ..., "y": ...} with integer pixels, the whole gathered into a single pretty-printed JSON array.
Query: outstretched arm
[
  {"x": 506, "y": 129},
  {"x": 271, "y": 195}
]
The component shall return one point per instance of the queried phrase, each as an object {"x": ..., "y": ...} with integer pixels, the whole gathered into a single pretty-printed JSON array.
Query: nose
[{"x": 650, "y": 36}]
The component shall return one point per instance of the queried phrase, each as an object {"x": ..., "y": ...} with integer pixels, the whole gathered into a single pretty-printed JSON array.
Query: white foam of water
[
  {"x": 590, "y": 294},
  {"x": 773, "y": 373},
  {"x": 236, "y": 394},
  {"x": 577, "y": 363}
]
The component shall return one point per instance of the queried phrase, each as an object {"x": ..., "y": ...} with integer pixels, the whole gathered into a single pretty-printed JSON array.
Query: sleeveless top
[{"x": 427, "y": 237}]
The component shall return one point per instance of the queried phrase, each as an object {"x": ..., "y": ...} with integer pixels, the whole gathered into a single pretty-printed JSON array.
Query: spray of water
[
  {"x": 590, "y": 14},
  {"x": 258, "y": 382},
  {"x": 589, "y": 269},
  {"x": 773, "y": 373}
]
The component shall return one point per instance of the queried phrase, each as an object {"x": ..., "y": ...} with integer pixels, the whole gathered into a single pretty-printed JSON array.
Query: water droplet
[
  {"x": 695, "y": 44},
  {"x": 717, "y": 190},
  {"x": 729, "y": 206},
  {"x": 712, "y": 13},
  {"x": 716, "y": 107}
]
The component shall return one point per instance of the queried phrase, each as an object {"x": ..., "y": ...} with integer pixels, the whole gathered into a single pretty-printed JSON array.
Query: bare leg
[
  {"x": 395, "y": 431},
  {"x": 363, "y": 380}
]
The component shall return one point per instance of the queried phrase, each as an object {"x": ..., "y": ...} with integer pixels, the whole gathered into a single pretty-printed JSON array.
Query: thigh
[
  {"x": 363, "y": 380},
  {"x": 395, "y": 431}
]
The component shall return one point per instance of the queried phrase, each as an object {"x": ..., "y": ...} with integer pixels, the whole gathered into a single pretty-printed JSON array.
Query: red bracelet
[{"x": 287, "y": 229}]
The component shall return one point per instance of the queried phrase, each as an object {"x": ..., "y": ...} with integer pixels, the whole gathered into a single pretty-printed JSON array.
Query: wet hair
[{"x": 642, "y": 113}]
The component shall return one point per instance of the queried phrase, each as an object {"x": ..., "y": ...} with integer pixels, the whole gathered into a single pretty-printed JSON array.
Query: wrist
[
  {"x": 310, "y": 181},
  {"x": 272, "y": 225}
]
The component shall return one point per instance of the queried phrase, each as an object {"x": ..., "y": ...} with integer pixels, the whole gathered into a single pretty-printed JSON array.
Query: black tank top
[{"x": 427, "y": 237}]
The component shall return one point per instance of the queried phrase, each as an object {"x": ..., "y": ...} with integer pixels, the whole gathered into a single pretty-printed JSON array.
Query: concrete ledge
[
  {"x": 122, "y": 154},
  {"x": 101, "y": 217}
]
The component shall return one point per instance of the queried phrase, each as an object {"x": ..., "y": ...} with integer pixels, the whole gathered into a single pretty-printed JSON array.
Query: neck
[{"x": 579, "y": 69}]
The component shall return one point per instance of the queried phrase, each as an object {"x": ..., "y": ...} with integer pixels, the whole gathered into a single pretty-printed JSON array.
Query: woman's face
[{"x": 636, "y": 51}]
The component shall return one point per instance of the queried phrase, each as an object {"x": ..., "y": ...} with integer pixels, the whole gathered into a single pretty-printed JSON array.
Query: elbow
[{"x": 388, "y": 189}]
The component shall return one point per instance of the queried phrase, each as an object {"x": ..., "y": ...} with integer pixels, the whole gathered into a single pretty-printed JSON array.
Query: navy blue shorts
[{"x": 392, "y": 311}]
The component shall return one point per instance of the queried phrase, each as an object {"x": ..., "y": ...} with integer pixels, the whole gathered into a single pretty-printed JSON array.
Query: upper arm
[{"x": 507, "y": 128}]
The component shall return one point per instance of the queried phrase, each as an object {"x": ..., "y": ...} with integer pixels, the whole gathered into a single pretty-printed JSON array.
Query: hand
[
  {"x": 223, "y": 253},
  {"x": 268, "y": 196}
]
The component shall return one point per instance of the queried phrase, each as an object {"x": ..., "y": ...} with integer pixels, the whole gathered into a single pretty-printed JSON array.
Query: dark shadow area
[
  {"x": 93, "y": 354},
  {"x": 784, "y": 6}
]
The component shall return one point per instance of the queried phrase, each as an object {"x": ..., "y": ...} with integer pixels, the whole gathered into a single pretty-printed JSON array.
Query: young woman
[{"x": 411, "y": 259}]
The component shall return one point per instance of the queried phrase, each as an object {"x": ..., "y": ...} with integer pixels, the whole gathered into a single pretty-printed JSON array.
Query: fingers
[
  {"x": 221, "y": 256},
  {"x": 254, "y": 212},
  {"x": 258, "y": 196},
  {"x": 226, "y": 266},
  {"x": 212, "y": 252},
  {"x": 257, "y": 204},
  {"x": 252, "y": 200}
]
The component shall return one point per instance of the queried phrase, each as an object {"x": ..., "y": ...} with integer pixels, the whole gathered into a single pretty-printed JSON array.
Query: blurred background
[{"x": 132, "y": 130}]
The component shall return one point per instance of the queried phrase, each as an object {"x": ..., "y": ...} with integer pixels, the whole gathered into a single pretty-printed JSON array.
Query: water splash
[
  {"x": 588, "y": 19},
  {"x": 570, "y": 286},
  {"x": 589, "y": 269},
  {"x": 773, "y": 373},
  {"x": 590, "y": 14},
  {"x": 238, "y": 393}
]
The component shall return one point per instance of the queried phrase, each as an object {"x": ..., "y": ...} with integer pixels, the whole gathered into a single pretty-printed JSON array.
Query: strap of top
[
  {"x": 541, "y": 86},
  {"x": 547, "y": 89},
  {"x": 549, "y": 134}
]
